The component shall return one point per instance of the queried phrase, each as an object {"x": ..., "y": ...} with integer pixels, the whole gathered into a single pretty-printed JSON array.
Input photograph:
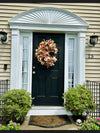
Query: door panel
[{"x": 48, "y": 83}]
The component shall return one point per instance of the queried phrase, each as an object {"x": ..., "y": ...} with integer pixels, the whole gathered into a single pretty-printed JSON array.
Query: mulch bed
[{"x": 49, "y": 121}]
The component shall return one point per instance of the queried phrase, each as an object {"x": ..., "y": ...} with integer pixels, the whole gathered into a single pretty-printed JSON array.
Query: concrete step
[{"x": 48, "y": 110}]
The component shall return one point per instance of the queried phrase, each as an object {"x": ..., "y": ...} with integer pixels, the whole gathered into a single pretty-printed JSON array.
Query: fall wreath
[{"x": 46, "y": 53}]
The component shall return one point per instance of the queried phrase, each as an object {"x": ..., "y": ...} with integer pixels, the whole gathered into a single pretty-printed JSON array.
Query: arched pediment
[{"x": 49, "y": 16}]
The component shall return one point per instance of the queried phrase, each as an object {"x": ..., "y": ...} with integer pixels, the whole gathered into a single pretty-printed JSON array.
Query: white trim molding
[
  {"x": 46, "y": 19},
  {"x": 15, "y": 56},
  {"x": 49, "y": 16},
  {"x": 81, "y": 58}
]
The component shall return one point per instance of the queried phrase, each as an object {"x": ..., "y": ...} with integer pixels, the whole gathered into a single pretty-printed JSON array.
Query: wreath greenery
[{"x": 46, "y": 53}]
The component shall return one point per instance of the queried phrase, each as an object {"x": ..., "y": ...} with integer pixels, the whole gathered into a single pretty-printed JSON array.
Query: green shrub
[
  {"x": 91, "y": 124},
  {"x": 78, "y": 100},
  {"x": 10, "y": 126},
  {"x": 17, "y": 103}
]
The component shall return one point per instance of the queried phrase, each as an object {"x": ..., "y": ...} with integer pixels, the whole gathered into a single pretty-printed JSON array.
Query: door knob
[{"x": 33, "y": 72}]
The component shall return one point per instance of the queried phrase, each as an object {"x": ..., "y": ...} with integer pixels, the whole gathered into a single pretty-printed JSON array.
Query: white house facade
[{"x": 29, "y": 26}]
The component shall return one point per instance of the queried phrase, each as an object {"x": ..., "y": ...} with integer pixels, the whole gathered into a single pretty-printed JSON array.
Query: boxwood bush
[
  {"x": 78, "y": 100},
  {"x": 17, "y": 103}
]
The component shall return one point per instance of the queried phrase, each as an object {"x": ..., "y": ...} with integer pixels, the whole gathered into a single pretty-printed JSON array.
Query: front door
[{"x": 48, "y": 83}]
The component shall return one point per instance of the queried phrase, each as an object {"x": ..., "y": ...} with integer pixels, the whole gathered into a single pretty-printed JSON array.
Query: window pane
[
  {"x": 24, "y": 78},
  {"x": 25, "y": 64},
  {"x": 25, "y": 42},
  {"x": 25, "y": 54},
  {"x": 71, "y": 63},
  {"x": 24, "y": 86}
]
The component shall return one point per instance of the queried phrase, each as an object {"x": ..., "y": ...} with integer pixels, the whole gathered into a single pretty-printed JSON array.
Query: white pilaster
[
  {"x": 14, "y": 83},
  {"x": 81, "y": 58}
]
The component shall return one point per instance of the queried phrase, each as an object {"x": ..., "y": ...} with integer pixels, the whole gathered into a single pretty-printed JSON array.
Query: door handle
[{"x": 33, "y": 72}]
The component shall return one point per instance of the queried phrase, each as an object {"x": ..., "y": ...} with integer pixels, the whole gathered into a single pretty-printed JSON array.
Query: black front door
[{"x": 48, "y": 83}]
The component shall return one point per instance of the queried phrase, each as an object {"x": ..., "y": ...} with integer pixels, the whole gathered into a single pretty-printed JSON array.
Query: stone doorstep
[{"x": 48, "y": 110}]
